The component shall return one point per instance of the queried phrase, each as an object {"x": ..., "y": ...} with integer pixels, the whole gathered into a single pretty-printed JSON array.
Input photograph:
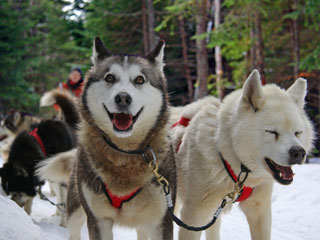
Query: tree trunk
[
  {"x": 202, "y": 58},
  {"x": 145, "y": 28},
  {"x": 152, "y": 37},
  {"x": 218, "y": 57},
  {"x": 259, "y": 45},
  {"x": 187, "y": 73},
  {"x": 295, "y": 42},
  {"x": 253, "y": 46}
]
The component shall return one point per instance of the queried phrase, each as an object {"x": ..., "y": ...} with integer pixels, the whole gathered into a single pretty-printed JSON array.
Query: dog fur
[
  {"x": 251, "y": 125},
  {"x": 18, "y": 174},
  {"x": 14, "y": 123},
  {"x": 98, "y": 163}
]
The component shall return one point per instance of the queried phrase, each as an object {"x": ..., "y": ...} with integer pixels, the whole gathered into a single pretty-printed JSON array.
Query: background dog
[
  {"x": 264, "y": 128},
  {"x": 13, "y": 123},
  {"x": 28, "y": 149}
]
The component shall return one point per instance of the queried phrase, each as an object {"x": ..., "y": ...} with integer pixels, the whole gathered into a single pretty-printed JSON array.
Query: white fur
[
  {"x": 6, "y": 143},
  {"x": 53, "y": 169},
  {"x": 236, "y": 129},
  {"x": 47, "y": 99},
  {"x": 159, "y": 59},
  {"x": 143, "y": 96}
]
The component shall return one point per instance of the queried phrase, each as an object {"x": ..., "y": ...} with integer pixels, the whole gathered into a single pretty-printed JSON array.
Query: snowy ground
[{"x": 296, "y": 215}]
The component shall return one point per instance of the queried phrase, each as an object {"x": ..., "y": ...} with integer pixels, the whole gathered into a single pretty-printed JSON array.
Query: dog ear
[
  {"x": 20, "y": 171},
  {"x": 157, "y": 54},
  {"x": 252, "y": 91},
  {"x": 16, "y": 118},
  {"x": 298, "y": 91},
  {"x": 99, "y": 51}
]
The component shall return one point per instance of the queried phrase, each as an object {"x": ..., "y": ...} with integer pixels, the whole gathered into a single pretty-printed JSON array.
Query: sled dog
[
  {"x": 14, "y": 123},
  {"x": 47, "y": 138},
  {"x": 264, "y": 129},
  {"x": 124, "y": 126},
  {"x": 68, "y": 104}
]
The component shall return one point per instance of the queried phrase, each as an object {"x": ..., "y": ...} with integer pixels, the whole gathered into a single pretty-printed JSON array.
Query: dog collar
[
  {"x": 246, "y": 191},
  {"x": 35, "y": 134},
  {"x": 117, "y": 201},
  {"x": 115, "y": 147}
]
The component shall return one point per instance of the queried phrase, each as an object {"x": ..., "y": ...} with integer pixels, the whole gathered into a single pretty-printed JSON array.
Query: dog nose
[
  {"x": 296, "y": 154},
  {"x": 123, "y": 100}
]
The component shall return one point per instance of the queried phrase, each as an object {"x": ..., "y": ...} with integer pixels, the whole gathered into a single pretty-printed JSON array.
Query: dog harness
[
  {"x": 246, "y": 191},
  {"x": 183, "y": 122},
  {"x": 117, "y": 201},
  {"x": 34, "y": 133}
]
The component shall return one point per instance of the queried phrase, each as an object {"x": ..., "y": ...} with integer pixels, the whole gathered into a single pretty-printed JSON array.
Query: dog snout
[
  {"x": 123, "y": 100},
  {"x": 296, "y": 154}
]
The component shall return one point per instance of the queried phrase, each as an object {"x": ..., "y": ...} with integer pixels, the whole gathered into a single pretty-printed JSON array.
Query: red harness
[
  {"x": 34, "y": 133},
  {"x": 246, "y": 191},
  {"x": 183, "y": 122},
  {"x": 117, "y": 201}
]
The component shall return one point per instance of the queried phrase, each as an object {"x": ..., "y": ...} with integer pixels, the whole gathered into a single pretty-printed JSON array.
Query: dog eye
[
  {"x": 110, "y": 78},
  {"x": 275, "y": 133},
  {"x": 139, "y": 80},
  {"x": 297, "y": 134}
]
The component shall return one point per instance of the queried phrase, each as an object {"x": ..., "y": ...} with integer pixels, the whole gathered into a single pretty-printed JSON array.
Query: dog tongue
[
  {"x": 122, "y": 121},
  {"x": 287, "y": 173}
]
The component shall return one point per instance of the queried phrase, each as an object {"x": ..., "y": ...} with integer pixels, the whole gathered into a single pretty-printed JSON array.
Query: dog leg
[
  {"x": 192, "y": 215},
  {"x": 257, "y": 209},
  {"x": 75, "y": 222},
  {"x": 142, "y": 234},
  {"x": 100, "y": 229},
  {"x": 28, "y": 206},
  {"x": 158, "y": 233},
  {"x": 52, "y": 189},
  {"x": 62, "y": 200},
  {"x": 213, "y": 233}
]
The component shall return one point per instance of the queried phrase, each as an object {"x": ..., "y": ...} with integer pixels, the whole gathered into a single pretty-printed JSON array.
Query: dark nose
[
  {"x": 123, "y": 100},
  {"x": 296, "y": 154}
]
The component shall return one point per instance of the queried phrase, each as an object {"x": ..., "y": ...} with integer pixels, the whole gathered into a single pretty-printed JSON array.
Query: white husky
[{"x": 264, "y": 128}]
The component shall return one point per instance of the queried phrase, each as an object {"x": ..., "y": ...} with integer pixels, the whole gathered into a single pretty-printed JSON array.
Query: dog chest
[{"x": 147, "y": 207}]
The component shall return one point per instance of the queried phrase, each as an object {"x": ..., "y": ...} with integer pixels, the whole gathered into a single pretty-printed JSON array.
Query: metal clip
[{"x": 232, "y": 196}]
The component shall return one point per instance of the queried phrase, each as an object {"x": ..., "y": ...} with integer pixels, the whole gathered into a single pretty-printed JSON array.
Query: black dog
[{"x": 28, "y": 149}]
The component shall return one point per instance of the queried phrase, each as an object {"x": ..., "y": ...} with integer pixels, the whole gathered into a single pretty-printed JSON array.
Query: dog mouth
[
  {"x": 283, "y": 174},
  {"x": 3, "y": 137},
  {"x": 122, "y": 121}
]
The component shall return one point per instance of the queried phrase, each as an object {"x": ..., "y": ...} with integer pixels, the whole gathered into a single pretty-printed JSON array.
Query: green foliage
[{"x": 37, "y": 50}]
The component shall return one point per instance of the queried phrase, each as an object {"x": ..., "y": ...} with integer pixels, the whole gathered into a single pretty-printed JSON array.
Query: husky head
[
  {"x": 269, "y": 129},
  {"x": 9, "y": 125},
  {"x": 125, "y": 95}
]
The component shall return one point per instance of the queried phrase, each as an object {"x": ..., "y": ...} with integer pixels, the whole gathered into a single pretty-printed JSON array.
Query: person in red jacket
[{"x": 74, "y": 83}]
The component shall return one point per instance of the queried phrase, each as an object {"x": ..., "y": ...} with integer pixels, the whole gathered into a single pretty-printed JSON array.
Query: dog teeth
[{"x": 280, "y": 174}]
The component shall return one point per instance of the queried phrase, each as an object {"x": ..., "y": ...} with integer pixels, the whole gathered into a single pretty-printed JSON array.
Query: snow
[
  {"x": 295, "y": 215},
  {"x": 11, "y": 216}
]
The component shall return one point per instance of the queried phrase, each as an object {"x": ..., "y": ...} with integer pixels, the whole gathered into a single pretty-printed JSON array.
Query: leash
[
  {"x": 229, "y": 198},
  {"x": 45, "y": 198}
]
